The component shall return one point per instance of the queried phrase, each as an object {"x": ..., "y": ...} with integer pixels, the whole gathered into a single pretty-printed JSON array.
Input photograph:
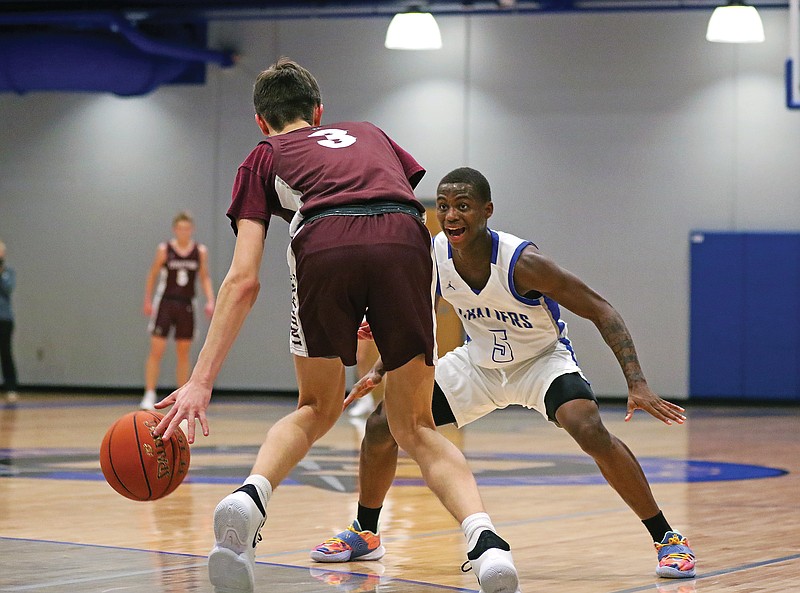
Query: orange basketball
[{"x": 139, "y": 465}]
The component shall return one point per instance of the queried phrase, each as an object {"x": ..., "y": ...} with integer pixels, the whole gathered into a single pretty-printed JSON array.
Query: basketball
[{"x": 139, "y": 465}]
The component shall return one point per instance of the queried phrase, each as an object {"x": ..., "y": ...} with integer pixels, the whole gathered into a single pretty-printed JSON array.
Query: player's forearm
[
  {"x": 236, "y": 298},
  {"x": 614, "y": 332},
  {"x": 208, "y": 289},
  {"x": 148, "y": 287}
]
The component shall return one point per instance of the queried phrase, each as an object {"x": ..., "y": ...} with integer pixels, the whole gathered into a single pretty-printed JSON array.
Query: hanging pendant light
[
  {"x": 413, "y": 30},
  {"x": 735, "y": 23}
]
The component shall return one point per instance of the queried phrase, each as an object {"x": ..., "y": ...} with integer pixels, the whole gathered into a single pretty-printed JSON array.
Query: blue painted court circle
[{"x": 336, "y": 469}]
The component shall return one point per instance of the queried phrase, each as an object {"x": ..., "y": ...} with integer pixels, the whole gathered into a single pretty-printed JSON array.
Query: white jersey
[{"x": 503, "y": 327}]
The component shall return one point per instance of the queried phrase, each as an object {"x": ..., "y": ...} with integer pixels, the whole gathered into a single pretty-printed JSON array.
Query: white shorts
[{"x": 473, "y": 391}]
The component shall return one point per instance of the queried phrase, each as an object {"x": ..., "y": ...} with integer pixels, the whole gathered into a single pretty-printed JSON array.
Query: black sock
[
  {"x": 368, "y": 518},
  {"x": 657, "y": 526}
]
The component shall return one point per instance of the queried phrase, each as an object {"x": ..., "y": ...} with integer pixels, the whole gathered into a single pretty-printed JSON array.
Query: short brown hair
[
  {"x": 182, "y": 216},
  {"x": 286, "y": 92}
]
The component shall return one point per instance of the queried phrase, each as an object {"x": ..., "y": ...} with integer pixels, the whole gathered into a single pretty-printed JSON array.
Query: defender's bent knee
[
  {"x": 377, "y": 433},
  {"x": 589, "y": 432}
]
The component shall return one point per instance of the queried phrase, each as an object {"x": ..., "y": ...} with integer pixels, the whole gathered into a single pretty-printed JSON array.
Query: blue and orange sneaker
[
  {"x": 351, "y": 544},
  {"x": 675, "y": 557}
]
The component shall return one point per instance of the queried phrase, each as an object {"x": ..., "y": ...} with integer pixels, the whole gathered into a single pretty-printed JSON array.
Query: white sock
[
  {"x": 262, "y": 485},
  {"x": 474, "y": 525},
  {"x": 150, "y": 393}
]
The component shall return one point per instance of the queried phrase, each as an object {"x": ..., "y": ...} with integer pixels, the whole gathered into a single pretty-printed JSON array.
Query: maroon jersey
[
  {"x": 320, "y": 167},
  {"x": 179, "y": 280}
]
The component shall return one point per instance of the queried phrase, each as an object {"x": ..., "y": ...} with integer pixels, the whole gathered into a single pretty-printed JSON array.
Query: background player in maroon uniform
[
  {"x": 177, "y": 265},
  {"x": 358, "y": 247}
]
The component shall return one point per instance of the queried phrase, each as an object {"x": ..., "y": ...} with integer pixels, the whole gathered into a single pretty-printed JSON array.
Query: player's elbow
[
  {"x": 250, "y": 288},
  {"x": 243, "y": 287}
]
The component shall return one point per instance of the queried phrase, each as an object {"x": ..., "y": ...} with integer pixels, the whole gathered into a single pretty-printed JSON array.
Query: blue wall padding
[
  {"x": 745, "y": 316},
  {"x": 91, "y": 62}
]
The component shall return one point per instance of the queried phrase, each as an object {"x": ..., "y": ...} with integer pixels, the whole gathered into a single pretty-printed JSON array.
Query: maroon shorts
[
  {"x": 346, "y": 267},
  {"x": 174, "y": 313}
]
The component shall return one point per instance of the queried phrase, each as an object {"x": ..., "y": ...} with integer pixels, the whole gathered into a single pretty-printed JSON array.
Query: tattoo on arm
[{"x": 619, "y": 339}]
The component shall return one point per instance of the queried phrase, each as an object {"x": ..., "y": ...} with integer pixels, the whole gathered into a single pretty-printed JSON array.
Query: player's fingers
[
  {"x": 361, "y": 388},
  {"x": 203, "y": 422},
  {"x": 168, "y": 430},
  {"x": 190, "y": 432},
  {"x": 167, "y": 401},
  {"x": 663, "y": 410},
  {"x": 673, "y": 412},
  {"x": 349, "y": 400},
  {"x": 631, "y": 409},
  {"x": 659, "y": 415},
  {"x": 162, "y": 426}
]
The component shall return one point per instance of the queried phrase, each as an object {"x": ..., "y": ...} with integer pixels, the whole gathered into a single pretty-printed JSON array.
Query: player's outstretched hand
[
  {"x": 643, "y": 398},
  {"x": 363, "y": 386},
  {"x": 188, "y": 402}
]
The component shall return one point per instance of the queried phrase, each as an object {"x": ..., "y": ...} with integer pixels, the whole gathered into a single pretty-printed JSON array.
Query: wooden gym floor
[{"x": 729, "y": 479}]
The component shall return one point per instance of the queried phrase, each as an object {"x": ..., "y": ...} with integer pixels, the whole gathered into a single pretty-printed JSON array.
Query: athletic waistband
[
  {"x": 180, "y": 299},
  {"x": 367, "y": 209}
]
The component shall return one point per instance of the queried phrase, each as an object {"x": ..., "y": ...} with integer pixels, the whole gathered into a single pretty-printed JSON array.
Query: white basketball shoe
[
  {"x": 238, "y": 520},
  {"x": 493, "y": 565},
  {"x": 148, "y": 401}
]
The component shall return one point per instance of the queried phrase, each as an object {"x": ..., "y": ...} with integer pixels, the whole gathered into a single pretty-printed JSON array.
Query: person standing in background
[
  {"x": 8, "y": 281},
  {"x": 178, "y": 262}
]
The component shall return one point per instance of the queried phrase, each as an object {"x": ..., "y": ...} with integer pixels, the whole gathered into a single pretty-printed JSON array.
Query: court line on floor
[
  {"x": 716, "y": 573},
  {"x": 116, "y": 575}
]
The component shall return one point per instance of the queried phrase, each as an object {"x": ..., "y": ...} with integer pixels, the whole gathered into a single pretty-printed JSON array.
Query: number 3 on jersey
[
  {"x": 334, "y": 138},
  {"x": 501, "y": 352}
]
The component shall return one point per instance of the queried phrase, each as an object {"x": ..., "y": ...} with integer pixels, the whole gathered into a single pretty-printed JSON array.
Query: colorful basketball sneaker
[
  {"x": 675, "y": 557},
  {"x": 493, "y": 565},
  {"x": 351, "y": 544},
  {"x": 238, "y": 520}
]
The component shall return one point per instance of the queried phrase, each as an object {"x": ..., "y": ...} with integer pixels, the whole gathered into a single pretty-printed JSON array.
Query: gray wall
[{"x": 607, "y": 138}]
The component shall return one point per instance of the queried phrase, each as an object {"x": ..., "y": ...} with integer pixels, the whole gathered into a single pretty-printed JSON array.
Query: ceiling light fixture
[
  {"x": 413, "y": 30},
  {"x": 735, "y": 23}
]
